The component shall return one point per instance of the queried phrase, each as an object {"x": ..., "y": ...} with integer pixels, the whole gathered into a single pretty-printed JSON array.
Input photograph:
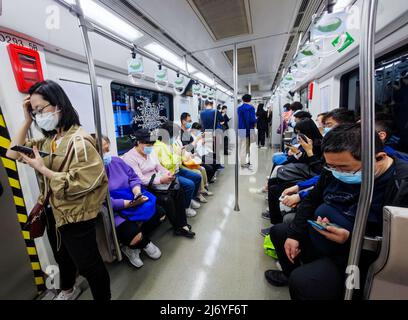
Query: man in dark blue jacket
[
  {"x": 246, "y": 123},
  {"x": 314, "y": 261}
]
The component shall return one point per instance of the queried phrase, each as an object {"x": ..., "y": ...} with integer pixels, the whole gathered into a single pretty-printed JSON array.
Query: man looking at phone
[{"x": 324, "y": 253}]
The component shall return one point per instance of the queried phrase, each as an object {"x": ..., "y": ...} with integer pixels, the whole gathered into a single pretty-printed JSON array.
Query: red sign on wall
[
  {"x": 26, "y": 66},
  {"x": 311, "y": 89}
]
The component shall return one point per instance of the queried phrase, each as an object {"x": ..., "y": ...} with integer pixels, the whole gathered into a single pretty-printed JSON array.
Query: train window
[
  {"x": 391, "y": 91},
  {"x": 135, "y": 108}
]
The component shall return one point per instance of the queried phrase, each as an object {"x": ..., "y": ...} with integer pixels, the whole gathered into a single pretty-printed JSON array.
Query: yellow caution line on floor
[{"x": 39, "y": 281}]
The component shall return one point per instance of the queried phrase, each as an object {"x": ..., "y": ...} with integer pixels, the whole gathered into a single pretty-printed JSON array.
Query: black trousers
[
  {"x": 261, "y": 137},
  {"x": 226, "y": 145},
  {"x": 128, "y": 230},
  {"x": 173, "y": 205},
  {"x": 78, "y": 253},
  {"x": 210, "y": 170},
  {"x": 317, "y": 278},
  {"x": 275, "y": 189}
]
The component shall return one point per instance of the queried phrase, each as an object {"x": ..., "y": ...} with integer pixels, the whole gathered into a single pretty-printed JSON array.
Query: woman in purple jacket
[{"x": 135, "y": 209}]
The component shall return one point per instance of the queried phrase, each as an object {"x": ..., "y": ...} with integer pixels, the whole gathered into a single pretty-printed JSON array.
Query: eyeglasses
[
  {"x": 330, "y": 168},
  {"x": 39, "y": 111}
]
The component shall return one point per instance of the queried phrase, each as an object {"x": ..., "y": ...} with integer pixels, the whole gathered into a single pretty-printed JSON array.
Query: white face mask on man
[{"x": 47, "y": 121}]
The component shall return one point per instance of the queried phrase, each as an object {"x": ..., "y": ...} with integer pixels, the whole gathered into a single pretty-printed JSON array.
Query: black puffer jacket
[{"x": 396, "y": 195}]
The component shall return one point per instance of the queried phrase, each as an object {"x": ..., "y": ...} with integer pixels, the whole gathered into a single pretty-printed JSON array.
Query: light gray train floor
[{"x": 224, "y": 261}]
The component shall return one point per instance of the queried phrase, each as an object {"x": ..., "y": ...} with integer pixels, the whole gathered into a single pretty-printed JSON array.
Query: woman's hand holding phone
[{"x": 307, "y": 144}]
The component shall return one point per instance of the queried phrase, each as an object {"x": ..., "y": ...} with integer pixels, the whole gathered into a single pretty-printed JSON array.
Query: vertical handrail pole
[
  {"x": 96, "y": 109},
  {"x": 235, "y": 71},
  {"x": 367, "y": 98},
  {"x": 281, "y": 124}
]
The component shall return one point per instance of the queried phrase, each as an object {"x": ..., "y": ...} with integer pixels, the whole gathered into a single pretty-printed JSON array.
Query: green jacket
[
  {"x": 79, "y": 190},
  {"x": 170, "y": 159}
]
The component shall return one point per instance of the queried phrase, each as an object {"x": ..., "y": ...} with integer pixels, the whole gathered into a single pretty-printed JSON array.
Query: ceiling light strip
[{"x": 125, "y": 43}]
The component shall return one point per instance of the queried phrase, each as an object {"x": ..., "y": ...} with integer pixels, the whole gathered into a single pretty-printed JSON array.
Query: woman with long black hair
[{"x": 73, "y": 175}]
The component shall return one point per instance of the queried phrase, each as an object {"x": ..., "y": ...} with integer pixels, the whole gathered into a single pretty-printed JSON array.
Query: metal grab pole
[
  {"x": 367, "y": 98},
  {"x": 235, "y": 71},
  {"x": 97, "y": 111}
]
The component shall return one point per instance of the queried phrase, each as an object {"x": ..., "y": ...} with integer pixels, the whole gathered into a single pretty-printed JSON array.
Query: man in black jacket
[{"x": 314, "y": 261}]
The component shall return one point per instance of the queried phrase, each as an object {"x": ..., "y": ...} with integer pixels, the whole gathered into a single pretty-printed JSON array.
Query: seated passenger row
[
  {"x": 317, "y": 200},
  {"x": 154, "y": 180},
  {"x": 145, "y": 187}
]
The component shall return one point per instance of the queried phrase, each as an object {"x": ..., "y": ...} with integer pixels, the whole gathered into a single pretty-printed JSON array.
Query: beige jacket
[{"x": 79, "y": 190}]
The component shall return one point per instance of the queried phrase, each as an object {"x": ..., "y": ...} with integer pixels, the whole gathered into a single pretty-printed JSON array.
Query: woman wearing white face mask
[{"x": 74, "y": 179}]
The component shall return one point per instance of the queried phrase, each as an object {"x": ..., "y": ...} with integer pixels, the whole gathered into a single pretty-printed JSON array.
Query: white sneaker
[
  {"x": 201, "y": 198},
  {"x": 133, "y": 256},
  {"x": 76, "y": 291},
  {"x": 190, "y": 212},
  {"x": 208, "y": 193},
  {"x": 152, "y": 251},
  {"x": 195, "y": 205},
  {"x": 261, "y": 191}
]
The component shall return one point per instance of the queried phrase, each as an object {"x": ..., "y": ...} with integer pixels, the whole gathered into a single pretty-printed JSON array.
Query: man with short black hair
[
  {"x": 337, "y": 117},
  {"x": 296, "y": 106},
  {"x": 246, "y": 123},
  {"x": 333, "y": 202}
]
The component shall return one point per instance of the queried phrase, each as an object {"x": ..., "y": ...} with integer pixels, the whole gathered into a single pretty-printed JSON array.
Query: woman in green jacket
[{"x": 77, "y": 190}]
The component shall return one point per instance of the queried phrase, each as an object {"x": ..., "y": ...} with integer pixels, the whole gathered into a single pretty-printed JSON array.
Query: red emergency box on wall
[
  {"x": 26, "y": 66},
  {"x": 311, "y": 91}
]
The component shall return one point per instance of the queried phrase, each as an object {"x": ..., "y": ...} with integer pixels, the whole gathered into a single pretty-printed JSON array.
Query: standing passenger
[
  {"x": 262, "y": 125},
  {"x": 77, "y": 192},
  {"x": 246, "y": 123}
]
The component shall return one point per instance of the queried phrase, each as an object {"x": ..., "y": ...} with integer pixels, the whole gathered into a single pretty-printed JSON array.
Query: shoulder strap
[{"x": 64, "y": 162}]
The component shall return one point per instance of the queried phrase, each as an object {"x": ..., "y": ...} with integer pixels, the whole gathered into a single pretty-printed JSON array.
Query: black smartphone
[
  {"x": 28, "y": 151},
  {"x": 303, "y": 137},
  {"x": 137, "y": 198}
]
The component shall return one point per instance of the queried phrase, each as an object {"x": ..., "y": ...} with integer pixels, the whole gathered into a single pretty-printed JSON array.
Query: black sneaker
[
  {"x": 266, "y": 215},
  {"x": 276, "y": 278},
  {"x": 184, "y": 233},
  {"x": 265, "y": 232}
]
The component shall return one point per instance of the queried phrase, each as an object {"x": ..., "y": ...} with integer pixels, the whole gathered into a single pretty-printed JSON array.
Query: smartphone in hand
[
  {"x": 322, "y": 226},
  {"x": 28, "y": 151}
]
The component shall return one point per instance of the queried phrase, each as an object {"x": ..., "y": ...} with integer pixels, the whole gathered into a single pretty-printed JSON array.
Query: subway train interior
[{"x": 290, "y": 185}]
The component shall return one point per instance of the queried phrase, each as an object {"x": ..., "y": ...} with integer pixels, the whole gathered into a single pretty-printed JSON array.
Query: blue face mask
[
  {"x": 326, "y": 131},
  {"x": 349, "y": 178},
  {"x": 148, "y": 150},
  {"x": 107, "y": 159},
  {"x": 188, "y": 125}
]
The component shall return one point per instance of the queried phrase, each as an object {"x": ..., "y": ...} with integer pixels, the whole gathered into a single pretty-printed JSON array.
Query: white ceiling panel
[{"x": 268, "y": 17}]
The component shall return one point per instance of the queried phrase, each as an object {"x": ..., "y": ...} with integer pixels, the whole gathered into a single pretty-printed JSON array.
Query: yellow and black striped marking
[{"x": 14, "y": 181}]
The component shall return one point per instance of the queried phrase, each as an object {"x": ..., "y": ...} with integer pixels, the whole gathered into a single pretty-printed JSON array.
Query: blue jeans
[{"x": 190, "y": 182}]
